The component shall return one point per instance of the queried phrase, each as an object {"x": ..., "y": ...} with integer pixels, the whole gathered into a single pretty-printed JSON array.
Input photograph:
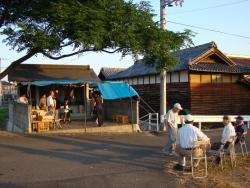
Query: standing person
[
  {"x": 66, "y": 112},
  {"x": 187, "y": 135},
  {"x": 42, "y": 103},
  {"x": 172, "y": 120},
  {"x": 98, "y": 102},
  {"x": 51, "y": 102},
  {"x": 240, "y": 128}
]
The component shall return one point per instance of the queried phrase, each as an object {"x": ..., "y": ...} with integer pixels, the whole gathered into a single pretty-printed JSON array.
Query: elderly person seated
[
  {"x": 227, "y": 136},
  {"x": 240, "y": 128},
  {"x": 187, "y": 135}
]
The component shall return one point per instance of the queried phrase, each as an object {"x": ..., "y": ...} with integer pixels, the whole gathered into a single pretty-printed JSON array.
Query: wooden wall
[
  {"x": 176, "y": 92},
  {"x": 219, "y": 99}
]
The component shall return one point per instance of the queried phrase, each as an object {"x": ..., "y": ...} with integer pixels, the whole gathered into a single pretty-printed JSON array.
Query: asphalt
[{"x": 86, "y": 160}]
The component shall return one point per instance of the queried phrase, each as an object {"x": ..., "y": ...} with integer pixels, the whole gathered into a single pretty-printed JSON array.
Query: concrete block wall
[
  {"x": 122, "y": 107},
  {"x": 19, "y": 117}
]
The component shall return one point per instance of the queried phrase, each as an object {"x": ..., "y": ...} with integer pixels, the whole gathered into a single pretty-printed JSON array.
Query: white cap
[
  {"x": 177, "y": 105},
  {"x": 189, "y": 118}
]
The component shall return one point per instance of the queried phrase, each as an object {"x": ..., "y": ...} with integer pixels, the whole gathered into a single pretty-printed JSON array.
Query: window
[
  {"x": 175, "y": 77},
  {"x": 205, "y": 78},
  {"x": 195, "y": 78},
  {"x": 216, "y": 78},
  {"x": 158, "y": 79},
  {"x": 140, "y": 80},
  {"x": 146, "y": 79},
  {"x": 184, "y": 76},
  {"x": 168, "y": 77},
  {"x": 226, "y": 78},
  {"x": 152, "y": 79},
  {"x": 235, "y": 78}
]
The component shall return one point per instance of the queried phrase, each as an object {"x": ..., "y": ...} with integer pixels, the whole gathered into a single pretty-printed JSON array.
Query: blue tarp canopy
[
  {"x": 116, "y": 90},
  {"x": 51, "y": 82},
  {"x": 109, "y": 90}
]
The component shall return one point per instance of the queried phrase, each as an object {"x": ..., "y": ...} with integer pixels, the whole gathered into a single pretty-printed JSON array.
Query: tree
[{"x": 48, "y": 27}]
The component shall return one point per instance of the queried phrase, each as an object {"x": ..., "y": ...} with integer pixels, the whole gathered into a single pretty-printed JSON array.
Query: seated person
[
  {"x": 228, "y": 135},
  {"x": 42, "y": 103},
  {"x": 187, "y": 135},
  {"x": 22, "y": 99},
  {"x": 67, "y": 111},
  {"x": 240, "y": 128}
]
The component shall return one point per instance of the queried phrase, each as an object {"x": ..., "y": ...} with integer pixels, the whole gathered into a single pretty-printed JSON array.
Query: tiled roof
[
  {"x": 107, "y": 72},
  {"x": 43, "y": 72},
  {"x": 187, "y": 58},
  {"x": 219, "y": 67},
  {"x": 240, "y": 60}
]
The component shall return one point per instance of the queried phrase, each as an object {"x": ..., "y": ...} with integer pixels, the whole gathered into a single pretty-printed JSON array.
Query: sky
[{"x": 230, "y": 16}]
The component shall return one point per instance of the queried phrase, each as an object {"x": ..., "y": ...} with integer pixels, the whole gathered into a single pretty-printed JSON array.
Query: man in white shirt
[
  {"x": 187, "y": 135},
  {"x": 228, "y": 133},
  {"x": 51, "y": 102},
  {"x": 172, "y": 120}
]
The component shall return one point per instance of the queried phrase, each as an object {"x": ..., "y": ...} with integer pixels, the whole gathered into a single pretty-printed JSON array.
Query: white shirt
[
  {"x": 172, "y": 118},
  {"x": 228, "y": 133},
  {"x": 50, "y": 101},
  {"x": 23, "y": 100},
  {"x": 188, "y": 134}
]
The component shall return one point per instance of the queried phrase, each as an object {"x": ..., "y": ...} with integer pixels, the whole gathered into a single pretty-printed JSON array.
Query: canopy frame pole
[
  {"x": 85, "y": 106},
  {"x": 131, "y": 110}
]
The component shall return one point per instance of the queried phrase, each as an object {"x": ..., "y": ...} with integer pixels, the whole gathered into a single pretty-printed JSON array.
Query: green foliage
[
  {"x": 47, "y": 27},
  {"x": 4, "y": 113}
]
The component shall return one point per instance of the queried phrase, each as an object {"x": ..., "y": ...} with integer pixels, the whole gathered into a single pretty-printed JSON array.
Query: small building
[
  {"x": 205, "y": 82},
  {"x": 72, "y": 83},
  {"x": 8, "y": 92}
]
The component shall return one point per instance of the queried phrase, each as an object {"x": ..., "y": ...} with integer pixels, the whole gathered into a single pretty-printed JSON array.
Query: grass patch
[{"x": 4, "y": 113}]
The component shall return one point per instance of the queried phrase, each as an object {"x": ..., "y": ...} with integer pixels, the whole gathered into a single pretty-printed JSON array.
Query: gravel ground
[{"x": 93, "y": 160}]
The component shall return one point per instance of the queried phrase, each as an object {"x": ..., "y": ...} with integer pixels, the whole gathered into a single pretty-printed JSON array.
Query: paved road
[{"x": 130, "y": 160}]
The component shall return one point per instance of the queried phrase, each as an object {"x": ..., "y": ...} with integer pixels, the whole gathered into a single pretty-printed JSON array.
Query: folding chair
[
  {"x": 56, "y": 120},
  {"x": 202, "y": 156},
  {"x": 231, "y": 151},
  {"x": 243, "y": 144}
]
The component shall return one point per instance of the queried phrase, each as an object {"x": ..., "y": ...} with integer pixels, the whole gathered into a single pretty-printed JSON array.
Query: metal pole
[{"x": 163, "y": 75}]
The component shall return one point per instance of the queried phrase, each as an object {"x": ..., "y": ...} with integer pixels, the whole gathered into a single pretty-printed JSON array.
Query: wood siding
[
  {"x": 176, "y": 92},
  {"x": 219, "y": 99}
]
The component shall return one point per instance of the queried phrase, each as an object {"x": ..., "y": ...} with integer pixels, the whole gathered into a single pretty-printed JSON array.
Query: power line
[
  {"x": 212, "y": 30},
  {"x": 211, "y": 7}
]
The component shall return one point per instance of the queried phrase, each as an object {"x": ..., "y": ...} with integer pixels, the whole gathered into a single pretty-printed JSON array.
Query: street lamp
[{"x": 163, "y": 75}]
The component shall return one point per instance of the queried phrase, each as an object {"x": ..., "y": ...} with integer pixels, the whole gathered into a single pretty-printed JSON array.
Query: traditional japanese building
[{"x": 205, "y": 82}]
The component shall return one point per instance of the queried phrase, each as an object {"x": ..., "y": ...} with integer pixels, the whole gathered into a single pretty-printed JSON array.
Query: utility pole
[{"x": 163, "y": 75}]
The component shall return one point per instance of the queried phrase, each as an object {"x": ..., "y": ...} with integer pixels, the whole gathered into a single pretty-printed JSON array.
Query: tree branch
[
  {"x": 17, "y": 62},
  {"x": 111, "y": 52},
  {"x": 66, "y": 55},
  {"x": 78, "y": 52}
]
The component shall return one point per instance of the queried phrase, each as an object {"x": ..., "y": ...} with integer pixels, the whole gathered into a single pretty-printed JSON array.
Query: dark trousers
[{"x": 99, "y": 114}]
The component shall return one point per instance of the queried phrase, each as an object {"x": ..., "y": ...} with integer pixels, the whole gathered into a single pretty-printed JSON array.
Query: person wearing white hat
[
  {"x": 172, "y": 120},
  {"x": 187, "y": 135}
]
